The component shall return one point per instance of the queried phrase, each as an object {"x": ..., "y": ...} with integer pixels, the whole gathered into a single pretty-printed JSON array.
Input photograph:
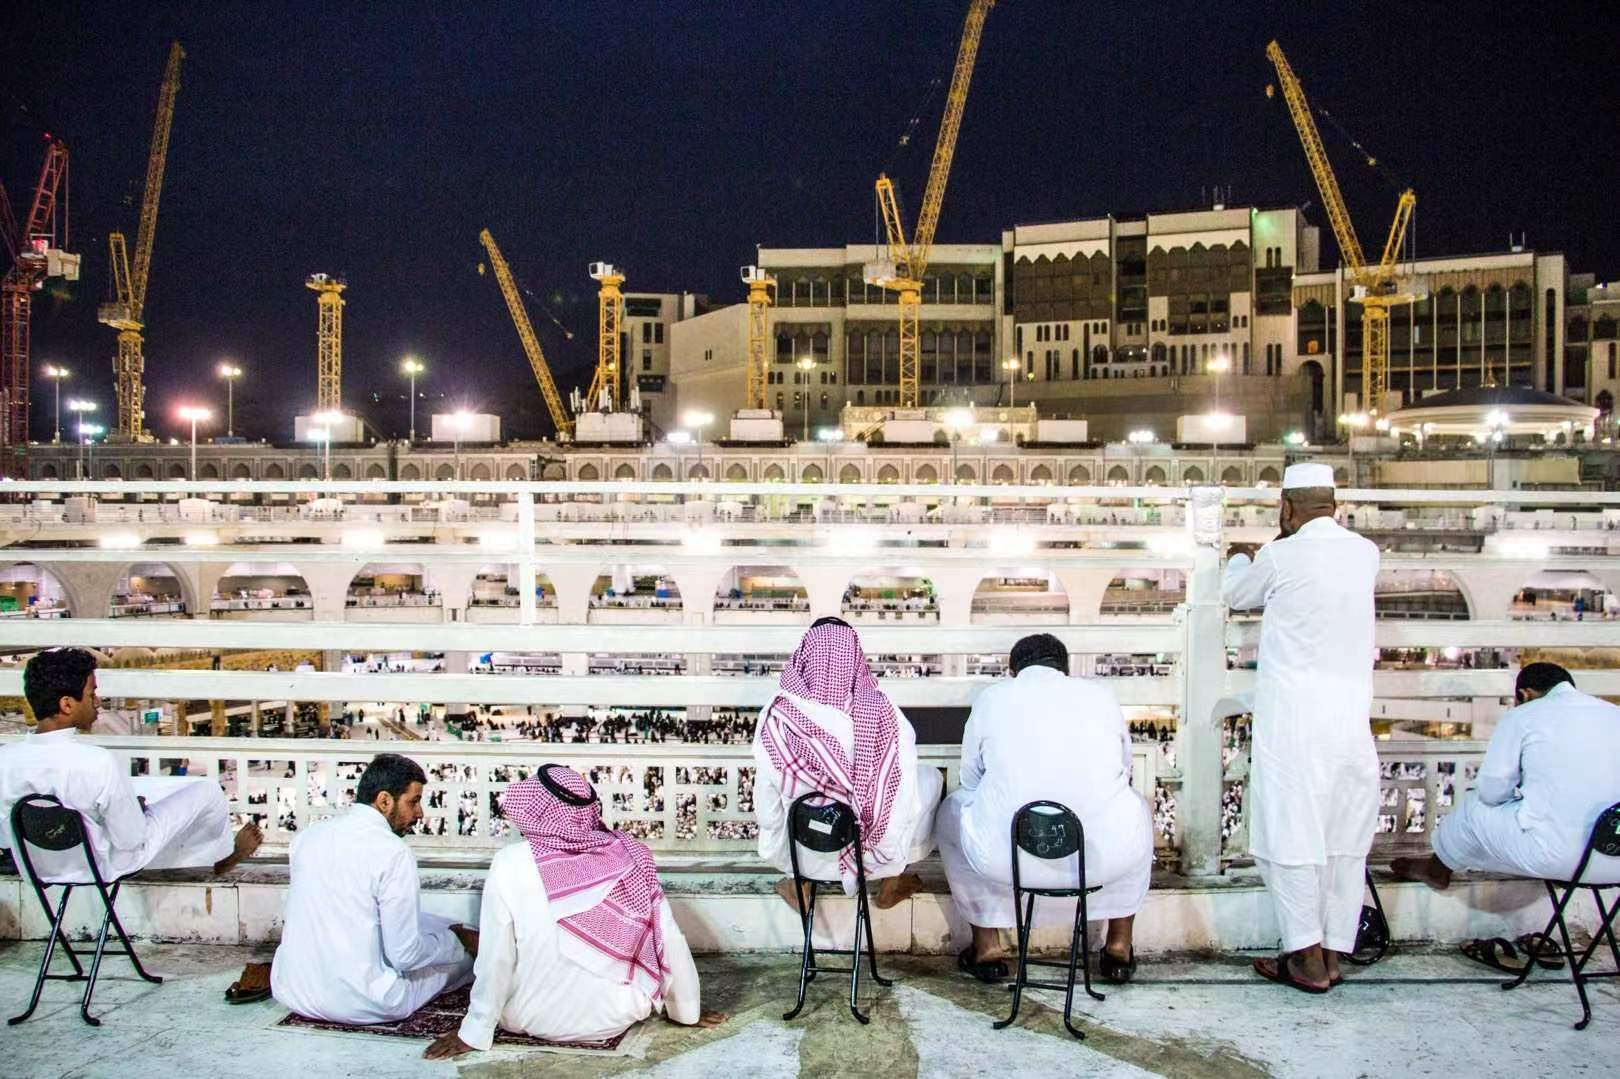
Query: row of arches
[
  {"x": 1078, "y": 475},
  {"x": 477, "y": 471}
]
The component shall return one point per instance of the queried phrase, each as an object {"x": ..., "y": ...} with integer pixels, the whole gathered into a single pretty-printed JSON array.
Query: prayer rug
[{"x": 443, "y": 1014}]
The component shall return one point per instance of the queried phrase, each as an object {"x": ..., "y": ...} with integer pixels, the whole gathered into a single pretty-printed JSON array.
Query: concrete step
[{"x": 727, "y": 907}]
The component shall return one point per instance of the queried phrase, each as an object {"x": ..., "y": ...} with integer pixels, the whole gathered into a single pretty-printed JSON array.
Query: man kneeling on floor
[
  {"x": 576, "y": 942},
  {"x": 356, "y": 947},
  {"x": 1045, "y": 736},
  {"x": 148, "y": 822},
  {"x": 1553, "y": 765}
]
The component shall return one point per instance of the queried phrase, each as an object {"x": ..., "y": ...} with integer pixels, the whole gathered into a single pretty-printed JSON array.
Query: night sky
[{"x": 375, "y": 140}]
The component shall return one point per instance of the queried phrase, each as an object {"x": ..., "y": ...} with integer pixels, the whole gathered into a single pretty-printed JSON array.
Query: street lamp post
[
  {"x": 806, "y": 364},
  {"x": 56, "y": 374},
  {"x": 194, "y": 414},
  {"x": 79, "y": 408},
  {"x": 1010, "y": 365},
  {"x": 412, "y": 367},
  {"x": 1495, "y": 422},
  {"x": 87, "y": 439},
  {"x": 230, "y": 373},
  {"x": 329, "y": 421},
  {"x": 459, "y": 422},
  {"x": 697, "y": 420},
  {"x": 1354, "y": 421}
]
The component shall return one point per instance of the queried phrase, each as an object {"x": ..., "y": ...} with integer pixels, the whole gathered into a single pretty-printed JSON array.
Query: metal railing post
[{"x": 1203, "y": 685}]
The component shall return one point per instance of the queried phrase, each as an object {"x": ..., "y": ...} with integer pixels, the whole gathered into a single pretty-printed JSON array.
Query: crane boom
[
  {"x": 1376, "y": 283},
  {"x": 908, "y": 263},
  {"x": 34, "y": 256},
  {"x": 526, "y": 335},
  {"x": 126, "y": 313},
  {"x": 950, "y": 124}
]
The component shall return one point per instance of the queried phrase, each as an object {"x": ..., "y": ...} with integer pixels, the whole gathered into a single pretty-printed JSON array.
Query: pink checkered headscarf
[
  {"x": 830, "y": 668},
  {"x": 574, "y": 853}
]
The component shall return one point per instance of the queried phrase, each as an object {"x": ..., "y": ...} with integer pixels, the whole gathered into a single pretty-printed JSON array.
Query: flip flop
[
  {"x": 1493, "y": 952},
  {"x": 1284, "y": 975},
  {"x": 1114, "y": 970},
  {"x": 990, "y": 972},
  {"x": 1539, "y": 947}
]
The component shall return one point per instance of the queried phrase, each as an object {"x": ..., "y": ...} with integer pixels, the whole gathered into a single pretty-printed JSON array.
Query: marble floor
[{"x": 1415, "y": 1013}]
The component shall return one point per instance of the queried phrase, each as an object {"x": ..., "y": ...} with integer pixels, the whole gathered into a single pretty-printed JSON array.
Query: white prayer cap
[{"x": 1307, "y": 475}]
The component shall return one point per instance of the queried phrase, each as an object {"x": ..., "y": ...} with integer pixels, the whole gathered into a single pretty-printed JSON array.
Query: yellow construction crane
[
  {"x": 609, "y": 317},
  {"x": 904, "y": 269},
  {"x": 1374, "y": 285},
  {"x": 525, "y": 332},
  {"x": 328, "y": 341},
  {"x": 760, "y": 287},
  {"x": 126, "y": 311}
]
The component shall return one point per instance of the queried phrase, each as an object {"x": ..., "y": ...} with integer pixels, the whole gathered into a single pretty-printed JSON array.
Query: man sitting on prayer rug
[
  {"x": 356, "y": 947},
  {"x": 576, "y": 942}
]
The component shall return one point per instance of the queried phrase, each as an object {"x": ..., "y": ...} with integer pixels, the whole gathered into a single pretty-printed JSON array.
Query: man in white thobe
[
  {"x": 1045, "y": 736},
  {"x": 1313, "y": 791},
  {"x": 831, "y": 729},
  {"x": 561, "y": 913},
  {"x": 145, "y": 822},
  {"x": 1552, "y": 766},
  {"x": 355, "y": 945}
]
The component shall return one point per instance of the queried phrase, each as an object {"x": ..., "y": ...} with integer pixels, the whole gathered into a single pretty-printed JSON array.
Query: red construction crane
[{"x": 33, "y": 253}]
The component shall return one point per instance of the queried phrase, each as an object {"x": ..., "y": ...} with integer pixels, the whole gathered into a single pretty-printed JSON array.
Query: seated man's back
[
  {"x": 84, "y": 777},
  {"x": 355, "y": 945},
  {"x": 1570, "y": 760}
]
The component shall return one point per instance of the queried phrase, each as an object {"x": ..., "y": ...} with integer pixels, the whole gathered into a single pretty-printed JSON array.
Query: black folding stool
[
  {"x": 1050, "y": 831},
  {"x": 1605, "y": 839},
  {"x": 828, "y": 828},
  {"x": 43, "y": 821}
]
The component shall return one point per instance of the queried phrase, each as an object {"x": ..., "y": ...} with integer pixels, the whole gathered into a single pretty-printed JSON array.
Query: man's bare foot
[
  {"x": 987, "y": 946},
  {"x": 248, "y": 838},
  {"x": 1431, "y": 871},
  {"x": 784, "y": 888},
  {"x": 1330, "y": 962},
  {"x": 1299, "y": 971},
  {"x": 896, "y": 890}
]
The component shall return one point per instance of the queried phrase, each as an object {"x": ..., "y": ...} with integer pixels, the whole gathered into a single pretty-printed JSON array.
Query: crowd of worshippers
[{"x": 576, "y": 941}]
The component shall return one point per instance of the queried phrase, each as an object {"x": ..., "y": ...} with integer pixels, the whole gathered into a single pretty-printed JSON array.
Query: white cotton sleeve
[
  {"x": 494, "y": 969},
  {"x": 1247, "y": 583},
  {"x": 683, "y": 1000},
  {"x": 407, "y": 944}
]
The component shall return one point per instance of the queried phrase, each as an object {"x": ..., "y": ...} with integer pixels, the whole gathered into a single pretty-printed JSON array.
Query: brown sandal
[{"x": 252, "y": 987}]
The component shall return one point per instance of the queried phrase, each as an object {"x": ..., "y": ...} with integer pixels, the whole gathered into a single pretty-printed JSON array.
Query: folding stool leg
[
  {"x": 871, "y": 943},
  {"x": 855, "y": 960},
  {"x": 1546, "y": 933},
  {"x": 1081, "y": 952},
  {"x": 95, "y": 968},
  {"x": 129, "y": 949},
  {"x": 1085, "y": 942},
  {"x": 807, "y": 921},
  {"x": 1023, "y": 917},
  {"x": 50, "y": 949}
]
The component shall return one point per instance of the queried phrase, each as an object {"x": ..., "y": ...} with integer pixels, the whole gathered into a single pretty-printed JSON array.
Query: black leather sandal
[{"x": 1114, "y": 970}]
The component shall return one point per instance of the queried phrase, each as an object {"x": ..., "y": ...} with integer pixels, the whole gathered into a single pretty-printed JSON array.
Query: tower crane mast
[
  {"x": 126, "y": 312},
  {"x": 605, "y": 383},
  {"x": 761, "y": 286},
  {"x": 526, "y": 335},
  {"x": 31, "y": 255},
  {"x": 1375, "y": 284},
  {"x": 907, "y": 263}
]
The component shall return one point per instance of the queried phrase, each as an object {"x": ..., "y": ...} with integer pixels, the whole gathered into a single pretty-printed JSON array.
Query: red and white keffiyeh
[
  {"x": 574, "y": 854},
  {"x": 830, "y": 668}
]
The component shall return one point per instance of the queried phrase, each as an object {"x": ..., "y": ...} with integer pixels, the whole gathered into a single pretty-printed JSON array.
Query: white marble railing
[{"x": 680, "y": 798}]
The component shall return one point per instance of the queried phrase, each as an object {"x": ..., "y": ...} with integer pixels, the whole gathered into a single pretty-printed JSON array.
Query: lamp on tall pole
[
  {"x": 696, "y": 420},
  {"x": 87, "y": 440},
  {"x": 806, "y": 364},
  {"x": 412, "y": 367},
  {"x": 1353, "y": 422},
  {"x": 1010, "y": 365},
  {"x": 193, "y": 414},
  {"x": 79, "y": 408},
  {"x": 56, "y": 374},
  {"x": 460, "y": 421},
  {"x": 230, "y": 373}
]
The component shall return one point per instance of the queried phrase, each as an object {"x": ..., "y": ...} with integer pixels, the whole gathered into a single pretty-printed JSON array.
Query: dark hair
[
  {"x": 1040, "y": 650},
  {"x": 1540, "y": 677},
  {"x": 829, "y": 621},
  {"x": 54, "y": 674},
  {"x": 388, "y": 772}
]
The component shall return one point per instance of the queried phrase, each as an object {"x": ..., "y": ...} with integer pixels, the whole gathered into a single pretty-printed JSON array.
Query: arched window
[
  {"x": 588, "y": 473},
  {"x": 375, "y": 471},
  {"x": 1117, "y": 474},
  {"x": 623, "y": 472},
  {"x": 1154, "y": 476},
  {"x": 240, "y": 471},
  {"x": 340, "y": 471},
  {"x": 810, "y": 474},
  {"x": 1080, "y": 475},
  {"x": 888, "y": 474},
  {"x": 661, "y": 471},
  {"x": 209, "y": 471},
  {"x": 1192, "y": 474},
  {"x": 849, "y": 474},
  {"x": 445, "y": 472},
  {"x": 480, "y": 473},
  {"x": 736, "y": 474},
  {"x": 308, "y": 471},
  {"x": 965, "y": 474},
  {"x": 1231, "y": 475},
  {"x": 517, "y": 473},
  {"x": 409, "y": 471},
  {"x": 1040, "y": 474},
  {"x": 143, "y": 471},
  {"x": 927, "y": 474}
]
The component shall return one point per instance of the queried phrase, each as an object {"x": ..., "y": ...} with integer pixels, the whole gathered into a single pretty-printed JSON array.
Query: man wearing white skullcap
[{"x": 1313, "y": 792}]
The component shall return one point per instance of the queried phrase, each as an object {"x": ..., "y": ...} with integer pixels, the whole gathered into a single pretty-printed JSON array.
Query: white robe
[
  {"x": 534, "y": 978},
  {"x": 1313, "y": 789},
  {"x": 1044, "y": 735},
  {"x": 910, "y": 835},
  {"x": 1552, "y": 766},
  {"x": 355, "y": 946},
  {"x": 186, "y": 822}
]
